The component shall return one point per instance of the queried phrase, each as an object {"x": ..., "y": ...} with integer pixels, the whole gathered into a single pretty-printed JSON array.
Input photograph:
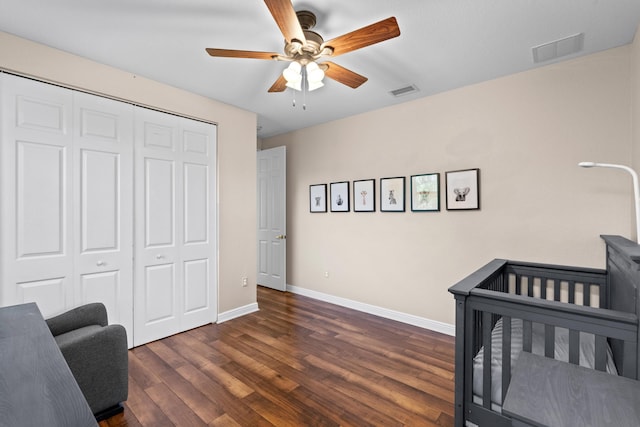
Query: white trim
[
  {"x": 238, "y": 312},
  {"x": 410, "y": 319}
]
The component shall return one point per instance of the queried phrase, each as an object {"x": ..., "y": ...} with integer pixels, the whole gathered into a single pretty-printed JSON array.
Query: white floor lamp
[{"x": 636, "y": 191}]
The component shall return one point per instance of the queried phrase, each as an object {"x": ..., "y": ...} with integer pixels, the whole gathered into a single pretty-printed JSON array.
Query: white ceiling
[{"x": 444, "y": 44}]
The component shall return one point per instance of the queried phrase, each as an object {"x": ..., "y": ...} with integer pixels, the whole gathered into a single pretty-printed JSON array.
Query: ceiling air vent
[
  {"x": 558, "y": 48},
  {"x": 404, "y": 90}
]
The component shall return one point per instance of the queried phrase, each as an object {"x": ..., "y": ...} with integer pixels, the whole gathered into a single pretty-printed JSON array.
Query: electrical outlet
[{"x": 245, "y": 281}]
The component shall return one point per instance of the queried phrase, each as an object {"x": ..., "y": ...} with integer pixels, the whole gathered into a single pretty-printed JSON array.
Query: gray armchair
[{"x": 97, "y": 355}]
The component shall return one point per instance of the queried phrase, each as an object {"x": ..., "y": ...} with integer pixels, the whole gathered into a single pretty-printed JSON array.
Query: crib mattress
[{"x": 587, "y": 355}]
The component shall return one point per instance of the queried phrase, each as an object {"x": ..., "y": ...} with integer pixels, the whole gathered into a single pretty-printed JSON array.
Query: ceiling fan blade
[
  {"x": 286, "y": 18},
  {"x": 343, "y": 75},
  {"x": 231, "y": 53},
  {"x": 365, "y": 36},
  {"x": 280, "y": 85}
]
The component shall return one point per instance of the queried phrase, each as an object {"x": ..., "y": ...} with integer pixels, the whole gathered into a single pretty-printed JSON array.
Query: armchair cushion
[
  {"x": 96, "y": 353},
  {"x": 85, "y": 315}
]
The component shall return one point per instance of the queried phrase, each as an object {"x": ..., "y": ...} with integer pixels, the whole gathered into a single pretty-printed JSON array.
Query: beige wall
[
  {"x": 236, "y": 146},
  {"x": 526, "y": 133}
]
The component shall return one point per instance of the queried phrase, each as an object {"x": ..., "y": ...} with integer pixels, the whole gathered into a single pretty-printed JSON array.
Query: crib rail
[{"x": 576, "y": 286}]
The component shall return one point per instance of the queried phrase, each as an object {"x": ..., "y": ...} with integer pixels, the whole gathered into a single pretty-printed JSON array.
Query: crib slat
[
  {"x": 486, "y": 361},
  {"x": 549, "y": 341},
  {"x": 556, "y": 289},
  {"x": 601, "y": 353},
  {"x": 574, "y": 346},
  {"x": 526, "y": 335},
  {"x": 586, "y": 294},
  {"x": 530, "y": 285},
  {"x": 543, "y": 288},
  {"x": 518, "y": 284},
  {"x": 506, "y": 355},
  {"x": 572, "y": 292}
]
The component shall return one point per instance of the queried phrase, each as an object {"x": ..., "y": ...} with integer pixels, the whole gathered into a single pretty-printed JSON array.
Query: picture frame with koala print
[
  {"x": 392, "y": 194},
  {"x": 463, "y": 189}
]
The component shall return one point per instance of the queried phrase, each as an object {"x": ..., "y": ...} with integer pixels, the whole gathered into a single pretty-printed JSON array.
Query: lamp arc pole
[{"x": 636, "y": 190}]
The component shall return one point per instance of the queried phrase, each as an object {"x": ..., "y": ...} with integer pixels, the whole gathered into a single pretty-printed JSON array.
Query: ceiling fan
[{"x": 303, "y": 48}]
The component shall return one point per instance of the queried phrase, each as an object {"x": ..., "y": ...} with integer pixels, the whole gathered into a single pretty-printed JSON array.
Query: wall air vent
[
  {"x": 404, "y": 90},
  {"x": 558, "y": 48}
]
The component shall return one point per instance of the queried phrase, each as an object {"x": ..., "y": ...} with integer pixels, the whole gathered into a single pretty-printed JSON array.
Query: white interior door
[
  {"x": 103, "y": 191},
  {"x": 37, "y": 210},
  {"x": 272, "y": 221},
  {"x": 175, "y": 237}
]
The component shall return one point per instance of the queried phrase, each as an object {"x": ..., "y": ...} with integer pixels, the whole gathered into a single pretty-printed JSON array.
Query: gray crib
[{"x": 584, "y": 316}]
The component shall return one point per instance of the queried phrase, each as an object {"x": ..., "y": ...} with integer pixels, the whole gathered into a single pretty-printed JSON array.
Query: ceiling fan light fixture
[
  {"x": 292, "y": 73},
  {"x": 297, "y": 85},
  {"x": 314, "y": 85},
  {"x": 314, "y": 74}
]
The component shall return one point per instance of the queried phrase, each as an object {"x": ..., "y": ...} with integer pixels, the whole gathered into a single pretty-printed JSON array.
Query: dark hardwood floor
[{"x": 296, "y": 362}]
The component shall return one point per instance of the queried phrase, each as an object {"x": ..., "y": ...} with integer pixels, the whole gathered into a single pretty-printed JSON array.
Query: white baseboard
[
  {"x": 237, "y": 312},
  {"x": 433, "y": 325}
]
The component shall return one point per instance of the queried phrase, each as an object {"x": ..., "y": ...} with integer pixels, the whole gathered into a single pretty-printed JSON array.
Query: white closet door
[
  {"x": 103, "y": 194},
  {"x": 37, "y": 211},
  {"x": 199, "y": 232},
  {"x": 175, "y": 267}
]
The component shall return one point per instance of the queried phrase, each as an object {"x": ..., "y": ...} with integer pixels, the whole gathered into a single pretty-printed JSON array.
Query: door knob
[
  {"x": 100, "y": 263},
  {"x": 159, "y": 256},
  {"x": 281, "y": 236}
]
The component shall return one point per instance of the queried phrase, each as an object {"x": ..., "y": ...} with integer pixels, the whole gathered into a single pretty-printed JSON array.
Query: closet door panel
[
  {"x": 49, "y": 294},
  {"x": 36, "y": 111},
  {"x": 40, "y": 199},
  {"x": 100, "y": 219},
  {"x": 36, "y": 218},
  {"x": 199, "y": 229},
  {"x": 104, "y": 287},
  {"x": 196, "y": 202},
  {"x": 159, "y": 206},
  {"x": 197, "y": 286},
  {"x": 103, "y": 189},
  {"x": 159, "y": 293},
  {"x": 158, "y": 169}
]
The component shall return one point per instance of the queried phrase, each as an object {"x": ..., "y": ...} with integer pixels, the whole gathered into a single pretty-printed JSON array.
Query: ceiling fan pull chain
[{"x": 305, "y": 84}]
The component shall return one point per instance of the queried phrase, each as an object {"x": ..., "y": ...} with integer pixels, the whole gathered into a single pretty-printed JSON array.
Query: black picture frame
[
  {"x": 425, "y": 192},
  {"x": 463, "y": 189},
  {"x": 364, "y": 195},
  {"x": 318, "y": 198},
  {"x": 392, "y": 194},
  {"x": 339, "y": 196}
]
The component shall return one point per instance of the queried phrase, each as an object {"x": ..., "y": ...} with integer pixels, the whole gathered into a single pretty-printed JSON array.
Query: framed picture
[
  {"x": 318, "y": 198},
  {"x": 425, "y": 192},
  {"x": 340, "y": 196},
  {"x": 392, "y": 194},
  {"x": 463, "y": 189},
  {"x": 364, "y": 195}
]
